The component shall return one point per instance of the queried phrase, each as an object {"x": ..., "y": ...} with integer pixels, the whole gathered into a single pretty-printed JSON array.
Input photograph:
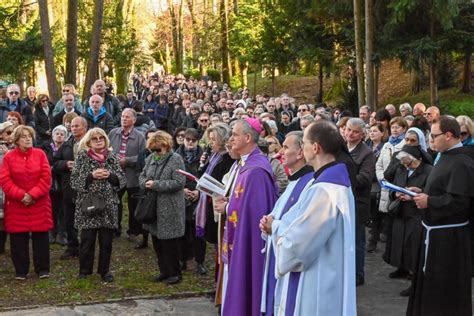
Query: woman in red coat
[{"x": 25, "y": 177}]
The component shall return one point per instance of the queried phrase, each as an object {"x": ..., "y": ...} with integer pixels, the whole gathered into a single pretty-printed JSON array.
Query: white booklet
[
  {"x": 392, "y": 187},
  {"x": 206, "y": 184}
]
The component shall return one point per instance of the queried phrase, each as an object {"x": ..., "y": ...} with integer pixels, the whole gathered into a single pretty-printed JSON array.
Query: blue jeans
[{"x": 360, "y": 249}]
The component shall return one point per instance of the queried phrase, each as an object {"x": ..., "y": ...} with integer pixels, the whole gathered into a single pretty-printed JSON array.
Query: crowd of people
[{"x": 302, "y": 183}]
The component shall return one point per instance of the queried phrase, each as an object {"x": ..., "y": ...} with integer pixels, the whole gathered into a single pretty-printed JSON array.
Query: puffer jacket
[
  {"x": 382, "y": 164},
  {"x": 26, "y": 172}
]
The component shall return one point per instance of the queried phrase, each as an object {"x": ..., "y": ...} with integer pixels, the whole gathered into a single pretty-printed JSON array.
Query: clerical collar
[
  {"x": 244, "y": 157},
  {"x": 298, "y": 174},
  {"x": 326, "y": 166},
  {"x": 458, "y": 145}
]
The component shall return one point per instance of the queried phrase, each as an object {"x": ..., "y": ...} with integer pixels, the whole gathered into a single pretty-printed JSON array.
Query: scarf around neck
[
  {"x": 396, "y": 140},
  {"x": 99, "y": 157}
]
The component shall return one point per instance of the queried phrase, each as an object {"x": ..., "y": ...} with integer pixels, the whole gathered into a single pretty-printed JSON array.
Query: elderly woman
[
  {"x": 403, "y": 246},
  {"x": 192, "y": 245},
  {"x": 467, "y": 129},
  {"x": 160, "y": 175},
  {"x": 398, "y": 127},
  {"x": 96, "y": 175},
  {"x": 15, "y": 118},
  {"x": 6, "y": 130},
  {"x": 217, "y": 165},
  {"x": 26, "y": 179},
  {"x": 57, "y": 234}
]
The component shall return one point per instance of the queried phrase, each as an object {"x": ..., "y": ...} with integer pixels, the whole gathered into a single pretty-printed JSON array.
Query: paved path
[{"x": 379, "y": 296}]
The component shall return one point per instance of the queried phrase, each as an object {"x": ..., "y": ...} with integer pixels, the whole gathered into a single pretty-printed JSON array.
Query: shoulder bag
[{"x": 145, "y": 212}]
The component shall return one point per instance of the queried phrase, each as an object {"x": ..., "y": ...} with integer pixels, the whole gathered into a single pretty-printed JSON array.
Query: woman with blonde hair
[
  {"x": 25, "y": 177},
  {"x": 96, "y": 176},
  {"x": 467, "y": 129},
  {"x": 159, "y": 175}
]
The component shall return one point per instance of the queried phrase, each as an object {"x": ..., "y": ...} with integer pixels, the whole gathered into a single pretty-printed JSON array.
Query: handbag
[
  {"x": 145, "y": 212},
  {"x": 93, "y": 205}
]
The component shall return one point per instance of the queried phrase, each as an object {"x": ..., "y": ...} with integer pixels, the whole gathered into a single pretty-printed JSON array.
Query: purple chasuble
[
  {"x": 304, "y": 177},
  {"x": 254, "y": 195},
  {"x": 335, "y": 173}
]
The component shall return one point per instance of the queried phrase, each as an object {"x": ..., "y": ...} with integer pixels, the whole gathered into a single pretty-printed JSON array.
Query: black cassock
[{"x": 444, "y": 288}]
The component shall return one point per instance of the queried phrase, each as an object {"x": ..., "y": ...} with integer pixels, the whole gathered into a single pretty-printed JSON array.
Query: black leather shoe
[
  {"x": 69, "y": 254},
  {"x": 201, "y": 269},
  {"x": 107, "y": 278},
  {"x": 398, "y": 274},
  {"x": 160, "y": 278},
  {"x": 360, "y": 280},
  {"x": 172, "y": 280}
]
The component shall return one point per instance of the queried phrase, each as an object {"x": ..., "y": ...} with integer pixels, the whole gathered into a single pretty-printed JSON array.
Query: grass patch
[{"x": 133, "y": 271}]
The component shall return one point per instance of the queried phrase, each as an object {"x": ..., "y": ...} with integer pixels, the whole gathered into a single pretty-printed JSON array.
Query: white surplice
[{"x": 317, "y": 238}]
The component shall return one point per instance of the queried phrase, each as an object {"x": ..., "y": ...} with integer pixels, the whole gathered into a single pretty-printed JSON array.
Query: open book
[
  {"x": 206, "y": 184},
  {"x": 392, "y": 187}
]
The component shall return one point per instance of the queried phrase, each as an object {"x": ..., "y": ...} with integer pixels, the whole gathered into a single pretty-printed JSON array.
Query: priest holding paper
[
  {"x": 254, "y": 192},
  {"x": 314, "y": 241}
]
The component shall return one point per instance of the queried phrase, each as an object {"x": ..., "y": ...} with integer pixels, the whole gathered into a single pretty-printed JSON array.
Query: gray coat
[
  {"x": 170, "y": 202},
  {"x": 135, "y": 145}
]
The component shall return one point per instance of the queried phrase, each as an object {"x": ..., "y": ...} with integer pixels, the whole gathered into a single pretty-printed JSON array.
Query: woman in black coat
[
  {"x": 216, "y": 164},
  {"x": 403, "y": 249},
  {"x": 191, "y": 246}
]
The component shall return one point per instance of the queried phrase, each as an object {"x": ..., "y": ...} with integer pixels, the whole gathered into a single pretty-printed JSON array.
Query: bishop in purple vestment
[{"x": 254, "y": 193}]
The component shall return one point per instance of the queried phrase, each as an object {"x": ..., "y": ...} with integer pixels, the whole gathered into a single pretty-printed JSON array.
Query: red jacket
[{"x": 26, "y": 172}]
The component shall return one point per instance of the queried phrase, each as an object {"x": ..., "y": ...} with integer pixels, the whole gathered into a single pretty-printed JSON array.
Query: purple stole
[
  {"x": 292, "y": 199},
  {"x": 333, "y": 172}
]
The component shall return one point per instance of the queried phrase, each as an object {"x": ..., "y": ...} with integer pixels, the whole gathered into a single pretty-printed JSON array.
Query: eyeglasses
[
  {"x": 180, "y": 136},
  {"x": 433, "y": 136},
  {"x": 65, "y": 91},
  {"x": 45, "y": 100},
  {"x": 14, "y": 93},
  {"x": 98, "y": 139},
  {"x": 191, "y": 140},
  {"x": 302, "y": 110},
  {"x": 203, "y": 121}
]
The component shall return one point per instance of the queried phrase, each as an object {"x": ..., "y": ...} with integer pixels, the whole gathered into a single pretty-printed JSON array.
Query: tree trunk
[
  {"x": 244, "y": 67},
  {"x": 376, "y": 86},
  {"x": 93, "y": 62},
  {"x": 320, "y": 83},
  {"x": 467, "y": 73},
  {"x": 255, "y": 80},
  {"x": 226, "y": 72},
  {"x": 369, "y": 51},
  {"x": 71, "y": 42},
  {"x": 180, "y": 37},
  {"x": 415, "y": 82},
  {"x": 359, "y": 52},
  {"x": 176, "y": 36},
  {"x": 121, "y": 76},
  {"x": 273, "y": 81},
  {"x": 432, "y": 65},
  {"x": 195, "y": 38},
  {"x": 53, "y": 88}
]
